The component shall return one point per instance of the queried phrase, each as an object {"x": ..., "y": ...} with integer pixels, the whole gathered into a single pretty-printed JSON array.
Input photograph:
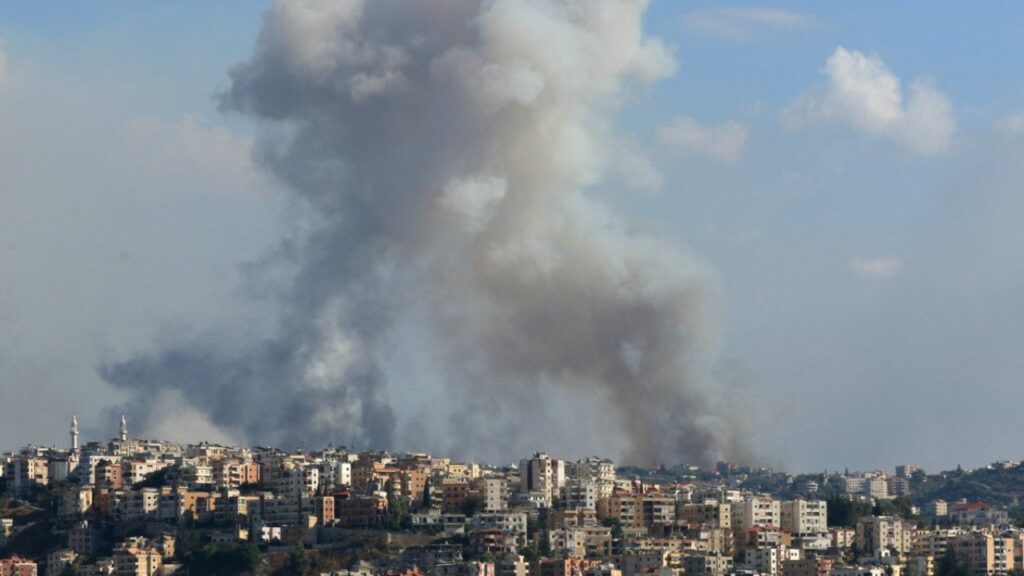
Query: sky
[{"x": 853, "y": 173}]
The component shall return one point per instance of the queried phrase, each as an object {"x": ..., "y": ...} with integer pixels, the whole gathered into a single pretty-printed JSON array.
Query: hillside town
[{"x": 133, "y": 507}]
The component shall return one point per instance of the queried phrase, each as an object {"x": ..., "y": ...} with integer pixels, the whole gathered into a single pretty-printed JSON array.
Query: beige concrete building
[
  {"x": 756, "y": 511},
  {"x": 807, "y": 523},
  {"x": 137, "y": 557},
  {"x": 875, "y": 533},
  {"x": 711, "y": 514},
  {"x": 985, "y": 553},
  {"x": 707, "y": 565},
  {"x": 819, "y": 566}
]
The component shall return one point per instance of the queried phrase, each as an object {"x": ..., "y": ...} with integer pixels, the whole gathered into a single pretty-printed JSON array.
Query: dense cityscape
[{"x": 133, "y": 507}]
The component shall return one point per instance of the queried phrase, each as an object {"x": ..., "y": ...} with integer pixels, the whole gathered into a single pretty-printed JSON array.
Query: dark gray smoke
[{"x": 445, "y": 150}]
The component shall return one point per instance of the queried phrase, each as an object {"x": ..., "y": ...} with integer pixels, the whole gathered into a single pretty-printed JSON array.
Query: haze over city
[{"x": 676, "y": 232}]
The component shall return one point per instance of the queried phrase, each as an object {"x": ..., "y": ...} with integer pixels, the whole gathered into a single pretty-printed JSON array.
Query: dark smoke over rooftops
[{"x": 445, "y": 151}]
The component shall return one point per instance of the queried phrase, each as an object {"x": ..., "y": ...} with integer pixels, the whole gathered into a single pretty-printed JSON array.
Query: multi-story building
[
  {"x": 231, "y": 506},
  {"x": 876, "y": 533},
  {"x": 360, "y": 511},
  {"x": 83, "y": 538},
  {"x": 807, "y": 523},
  {"x": 336, "y": 473},
  {"x": 234, "y": 473},
  {"x": 514, "y": 522},
  {"x": 454, "y": 494},
  {"x": 935, "y": 509},
  {"x": 75, "y": 501},
  {"x": 542, "y": 474},
  {"x": 22, "y": 473},
  {"x": 135, "y": 470},
  {"x": 16, "y": 566},
  {"x": 579, "y": 494},
  {"x": 138, "y": 505},
  {"x": 600, "y": 471},
  {"x": 641, "y": 562},
  {"x": 977, "y": 514},
  {"x": 851, "y": 484},
  {"x": 767, "y": 560},
  {"x": 899, "y": 486},
  {"x": 906, "y": 470},
  {"x": 933, "y": 543},
  {"x": 58, "y": 561},
  {"x": 657, "y": 510},
  {"x": 707, "y": 565},
  {"x": 984, "y": 553},
  {"x": 109, "y": 474},
  {"x": 843, "y": 538},
  {"x": 877, "y": 487},
  {"x": 817, "y": 566},
  {"x": 712, "y": 514},
  {"x": 495, "y": 491},
  {"x": 756, "y": 511},
  {"x": 638, "y": 510},
  {"x": 137, "y": 557}
]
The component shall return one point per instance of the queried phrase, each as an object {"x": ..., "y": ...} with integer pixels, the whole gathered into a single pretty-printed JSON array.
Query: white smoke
[{"x": 450, "y": 146}]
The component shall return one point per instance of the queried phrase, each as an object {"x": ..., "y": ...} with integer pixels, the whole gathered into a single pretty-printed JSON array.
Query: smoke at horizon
[{"x": 444, "y": 152}]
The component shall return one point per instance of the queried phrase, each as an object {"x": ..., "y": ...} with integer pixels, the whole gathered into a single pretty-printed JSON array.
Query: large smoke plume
[{"x": 447, "y": 151}]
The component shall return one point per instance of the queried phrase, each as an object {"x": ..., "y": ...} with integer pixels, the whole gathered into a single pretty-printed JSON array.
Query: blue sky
[{"x": 871, "y": 269}]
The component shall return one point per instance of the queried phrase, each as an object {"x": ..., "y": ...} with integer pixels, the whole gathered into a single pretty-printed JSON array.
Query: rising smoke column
[{"x": 445, "y": 150}]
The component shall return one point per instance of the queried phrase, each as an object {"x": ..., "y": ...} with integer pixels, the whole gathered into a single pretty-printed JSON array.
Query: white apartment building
[
  {"x": 542, "y": 474},
  {"x": 756, "y": 511},
  {"x": 876, "y": 533},
  {"x": 495, "y": 492},
  {"x": 514, "y": 522},
  {"x": 579, "y": 494},
  {"x": 807, "y": 522},
  {"x": 600, "y": 471}
]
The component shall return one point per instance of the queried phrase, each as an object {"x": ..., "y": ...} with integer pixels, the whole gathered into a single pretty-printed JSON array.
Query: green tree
[
  {"x": 530, "y": 553},
  {"x": 229, "y": 560},
  {"x": 398, "y": 515},
  {"x": 615, "y": 525},
  {"x": 299, "y": 562},
  {"x": 950, "y": 565},
  {"x": 427, "y": 501},
  {"x": 473, "y": 504},
  {"x": 845, "y": 512}
]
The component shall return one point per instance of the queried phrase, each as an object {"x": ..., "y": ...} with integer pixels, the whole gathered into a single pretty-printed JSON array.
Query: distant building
[
  {"x": 707, "y": 565},
  {"x": 977, "y": 514},
  {"x": 756, "y": 511},
  {"x": 807, "y": 523},
  {"x": 819, "y": 566},
  {"x": 875, "y": 533},
  {"x": 906, "y": 470},
  {"x": 18, "y": 567},
  {"x": 936, "y": 509}
]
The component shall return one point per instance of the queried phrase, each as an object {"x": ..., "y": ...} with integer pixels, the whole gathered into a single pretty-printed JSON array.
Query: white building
[
  {"x": 579, "y": 494},
  {"x": 807, "y": 523},
  {"x": 495, "y": 491},
  {"x": 756, "y": 511}
]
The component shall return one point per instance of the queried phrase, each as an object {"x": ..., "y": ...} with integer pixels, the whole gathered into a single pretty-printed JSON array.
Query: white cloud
[
  {"x": 722, "y": 142},
  {"x": 862, "y": 93},
  {"x": 879, "y": 268},
  {"x": 743, "y": 23}
]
